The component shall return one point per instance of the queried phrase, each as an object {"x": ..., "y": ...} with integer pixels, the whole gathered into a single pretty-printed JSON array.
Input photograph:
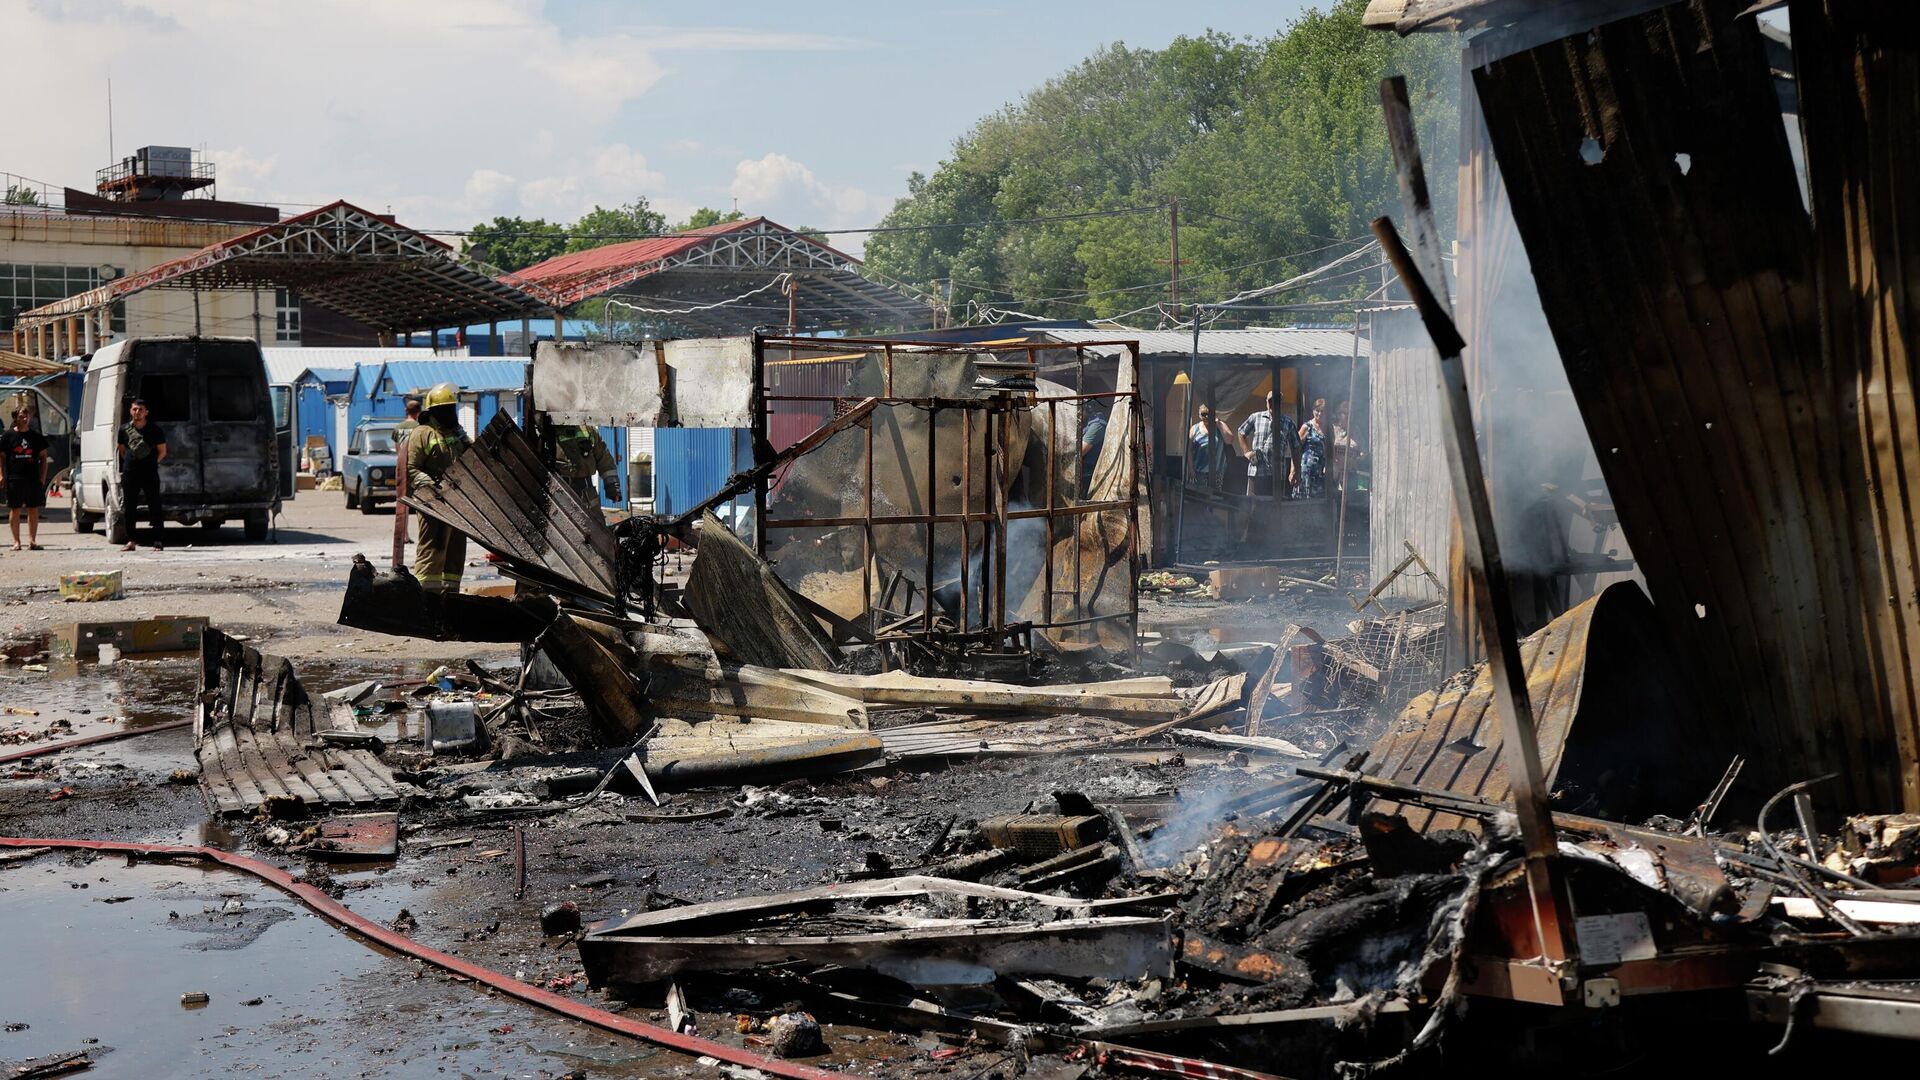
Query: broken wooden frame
[{"x": 989, "y": 414}]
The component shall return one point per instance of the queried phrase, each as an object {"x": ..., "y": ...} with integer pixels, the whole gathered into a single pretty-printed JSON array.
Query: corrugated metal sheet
[
  {"x": 1260, "y": 344},
  {"x": 286, "y": 362},
  {"x": 331, "y": 380},
  {"x": 1651, "y": 179},
  {"x": 690, "y": 464},
  {"x": 1411, "y": 494},
  {"x": 563, "y": 270},
  {"x": 466, "y": 373},
  {"x": 1614, "y": 721}
]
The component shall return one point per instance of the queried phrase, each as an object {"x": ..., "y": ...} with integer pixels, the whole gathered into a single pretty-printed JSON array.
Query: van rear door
[
  {"x": 236, "y": 437},
  {"x": 285, "y": 461},
  {"x": 163, "y": 374}
]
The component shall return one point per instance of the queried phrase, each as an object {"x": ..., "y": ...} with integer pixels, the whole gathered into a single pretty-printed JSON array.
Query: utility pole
[
  {"x": 1173, "y": 260},
  {"x": 1173, "y": 237}
]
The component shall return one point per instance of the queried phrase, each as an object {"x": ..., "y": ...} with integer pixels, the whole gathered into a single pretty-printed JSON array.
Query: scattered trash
[{"x": 195, "y": 997}]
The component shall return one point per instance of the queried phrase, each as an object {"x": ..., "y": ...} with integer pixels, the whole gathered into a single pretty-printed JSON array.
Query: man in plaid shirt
[{"x": 1265, "y": 458}]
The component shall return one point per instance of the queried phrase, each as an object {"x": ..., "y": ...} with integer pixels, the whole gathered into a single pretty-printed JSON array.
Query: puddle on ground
[{"x": 103, "y": 951}]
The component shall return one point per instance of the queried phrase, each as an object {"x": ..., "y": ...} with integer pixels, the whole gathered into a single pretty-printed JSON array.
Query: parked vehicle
[
  {"x": 367, "y": 474},
  {"x": 224, "y": 439}
]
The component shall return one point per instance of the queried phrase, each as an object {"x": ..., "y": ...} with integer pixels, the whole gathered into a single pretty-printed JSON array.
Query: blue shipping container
[{"x": 690, "y": 464}]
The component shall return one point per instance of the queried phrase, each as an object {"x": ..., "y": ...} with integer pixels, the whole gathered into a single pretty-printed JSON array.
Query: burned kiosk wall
[
  {"x": 1752, "y": 451},
  {"x": 935, "y": 515}
]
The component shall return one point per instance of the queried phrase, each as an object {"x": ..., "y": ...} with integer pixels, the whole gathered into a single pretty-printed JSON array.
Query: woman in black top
[{"x": 24, "y": 454}]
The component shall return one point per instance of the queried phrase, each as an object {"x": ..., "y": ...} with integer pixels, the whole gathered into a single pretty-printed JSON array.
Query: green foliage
[
  {"x": 22, "y": 195},
  {"x": 515, "y": 243},
  {"x": 707, "y": 216},
  {"x": 601, "y": 226},
  {"x": 1274, "y": 147}
]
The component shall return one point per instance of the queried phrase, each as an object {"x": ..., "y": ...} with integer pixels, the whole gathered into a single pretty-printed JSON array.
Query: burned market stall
[{"x": 971, "y": 496}]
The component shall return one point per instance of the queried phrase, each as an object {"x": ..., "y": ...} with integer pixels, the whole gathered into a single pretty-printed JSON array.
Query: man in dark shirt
[
  {"x": 143, "y": 446},
  {"x": 23, "y": 455}
]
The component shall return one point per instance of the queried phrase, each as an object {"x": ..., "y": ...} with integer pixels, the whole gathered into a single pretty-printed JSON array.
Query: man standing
[
  {"x": 440, "y": 551},
  {"x": 412, "y": 421},
  {"x": 578, "y": 454},
  {"x": 143, "y": 446},
  {"x": 1264, "y": 459},
  {"x": 24, "y": 453}
]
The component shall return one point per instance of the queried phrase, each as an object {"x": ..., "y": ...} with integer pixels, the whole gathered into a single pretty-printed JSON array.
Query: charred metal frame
[{"x": 993, "y": 520}]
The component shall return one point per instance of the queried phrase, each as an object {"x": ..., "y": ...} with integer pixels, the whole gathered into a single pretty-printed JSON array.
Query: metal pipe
[
  {"x": 89, "y": 740},
  {"x": 1186, "y": 442},
  {"x": 1053, "y": 437},
  {"x": 933, "y": 507},
  {"x": 966, "y": 508}
]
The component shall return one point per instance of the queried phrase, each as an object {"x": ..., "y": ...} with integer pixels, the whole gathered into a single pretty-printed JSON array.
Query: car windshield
[{"x": 378, "y": 440}]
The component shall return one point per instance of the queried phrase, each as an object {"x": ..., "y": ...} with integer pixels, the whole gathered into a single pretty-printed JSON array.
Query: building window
[
  {"x": 24, "y": 286},
  {"x": 286, "y": 317}
]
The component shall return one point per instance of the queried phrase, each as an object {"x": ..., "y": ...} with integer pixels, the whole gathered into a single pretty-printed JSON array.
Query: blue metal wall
[
  {"x": 313, "y": 415},
  {"x": 690, "y": 464}
]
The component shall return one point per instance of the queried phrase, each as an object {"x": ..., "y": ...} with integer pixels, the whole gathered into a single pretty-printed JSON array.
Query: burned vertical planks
[
  {"x": 1651, "y": 180},
  {"x": 1857, "y": 70},
  {"x": 256, "y": 735}
]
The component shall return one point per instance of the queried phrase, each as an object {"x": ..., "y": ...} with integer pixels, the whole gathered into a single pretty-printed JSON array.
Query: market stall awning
[
  {"x": 20, "y": 364},
  {"x": 363, "y": 265},
  {"x": 728, "y": 279}
]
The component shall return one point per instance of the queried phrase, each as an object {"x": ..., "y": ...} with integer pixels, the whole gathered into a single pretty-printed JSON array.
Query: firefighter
[
  {"x": 440, "y": 551},
  {"x": 578, "y": 453}
]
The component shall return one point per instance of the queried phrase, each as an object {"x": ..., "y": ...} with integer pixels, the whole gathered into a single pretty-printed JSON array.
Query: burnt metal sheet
[
  {"x": 737, "y": 935},
  {"x": 255, "y": 737},
  {"x": 696, "y": 382},
  {"x": 1617, "y": 729},
  {"x": 1651, "y": 181},
  {"x": 500, "y": 493}
]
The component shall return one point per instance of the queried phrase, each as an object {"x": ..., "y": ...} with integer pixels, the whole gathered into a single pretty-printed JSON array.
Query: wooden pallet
[{"x": 257, "y": 737}]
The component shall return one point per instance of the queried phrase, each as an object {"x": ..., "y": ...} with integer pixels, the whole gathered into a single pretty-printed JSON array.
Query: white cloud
[
  {"x": 447, "y": 111},
  {"x": 786, "y": 190},
  {"x": 732, "y": 39}
]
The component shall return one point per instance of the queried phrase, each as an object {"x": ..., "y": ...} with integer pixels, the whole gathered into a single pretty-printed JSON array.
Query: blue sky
[{"x": 447, "y": 112}]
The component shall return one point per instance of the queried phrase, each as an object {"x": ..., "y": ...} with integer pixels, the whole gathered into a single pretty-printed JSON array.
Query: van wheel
[
  {"x": 257, "y": 525},
  {"x": 353, "y": 500},
  {"x": 84, "y": 523},
  {"x": 119, "y": 529},
  {"x": 209, "y": 526}
]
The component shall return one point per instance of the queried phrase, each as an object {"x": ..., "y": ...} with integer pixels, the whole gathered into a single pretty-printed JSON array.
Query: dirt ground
[
  {"x": 292, "y": 997},
  {"x": 284, "y": 591}
]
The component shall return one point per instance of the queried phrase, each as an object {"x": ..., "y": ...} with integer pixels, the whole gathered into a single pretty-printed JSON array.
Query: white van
[{"x": 225, "y": 432}]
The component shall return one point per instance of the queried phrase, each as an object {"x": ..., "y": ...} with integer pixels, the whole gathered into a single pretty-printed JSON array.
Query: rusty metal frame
[{"x": 993, "y": 517}]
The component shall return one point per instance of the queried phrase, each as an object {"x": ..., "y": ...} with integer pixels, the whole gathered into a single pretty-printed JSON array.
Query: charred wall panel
[
  {"x": 1858, "y": 72},
  {"x": 1411, "y": 498},
  {"x": 1651, "y": 180},
  {"x": 1528, "y": 426}
]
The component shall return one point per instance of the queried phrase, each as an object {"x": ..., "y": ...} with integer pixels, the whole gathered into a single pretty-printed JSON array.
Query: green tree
[
  {"x": 515, "y": 243},
  {"x": 1274, "y": 147},
  {"x": 706, "y": 217},
  {"x": 602, "y": 226},
  {"x": 22, "y": 195}
]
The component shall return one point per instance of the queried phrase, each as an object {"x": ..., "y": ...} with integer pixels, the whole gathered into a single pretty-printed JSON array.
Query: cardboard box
[
  {"x": 168, "y": 633},
  {"x": 98, "y": 585}
]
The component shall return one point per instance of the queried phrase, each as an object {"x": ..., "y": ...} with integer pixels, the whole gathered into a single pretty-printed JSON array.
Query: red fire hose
[{"x": 338, "y": 914}]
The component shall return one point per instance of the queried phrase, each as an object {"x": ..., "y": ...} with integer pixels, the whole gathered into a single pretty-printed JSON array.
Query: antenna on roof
[{"x": 109, "y": 119}]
